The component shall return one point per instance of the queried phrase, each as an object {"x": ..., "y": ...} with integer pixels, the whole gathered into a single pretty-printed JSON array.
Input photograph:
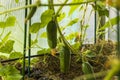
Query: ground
[{"x": 48, "y": 66}]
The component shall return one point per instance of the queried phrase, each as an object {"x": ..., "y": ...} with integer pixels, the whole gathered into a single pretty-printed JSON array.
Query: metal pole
[
  {"x": 29, "y": 44},
  {"x": 25, "y": 40},
  {"x": 118, "y": 34},
  {"x": 95, "y": 23},
  {"x": 118, "y": 40}
]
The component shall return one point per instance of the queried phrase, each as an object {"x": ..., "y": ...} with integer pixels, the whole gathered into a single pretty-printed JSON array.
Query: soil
[{"x": 47, "y": 68}]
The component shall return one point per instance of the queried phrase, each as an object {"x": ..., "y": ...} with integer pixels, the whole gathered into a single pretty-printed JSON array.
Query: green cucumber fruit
[
  {"x": 65, "y": 58},
  {"x": 32, "y": 11},
  {"x": 52, "y": 34}
]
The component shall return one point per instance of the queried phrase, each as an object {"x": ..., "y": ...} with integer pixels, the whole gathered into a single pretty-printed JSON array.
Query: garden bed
[{"x": 47, "y": 68}]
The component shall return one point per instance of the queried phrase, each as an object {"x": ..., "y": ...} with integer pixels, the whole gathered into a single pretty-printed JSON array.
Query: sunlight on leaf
[
  {"x": 2, "y": 24},
  {"x": 10, "y": 21},
  {"x": 9, "y": 72},
  {"x": 15, "y": 55},
  {"x": 33, "y": 42},
  {"x": 46, "y": 17},
  {"x": 6, "y": 37},
  {"x": 73, "y": 22},
  {"x": 73, "y": 8},
  {"x": 43, "y": 35},
  {"x": 6, "y": 47},
  {"x": 76, "y": 45},
  {"x": 61, "y": 17},
  {"x": 17, "y": 1},
  {"x": 34, "y": 28},
  {"x": 14, "y": 77},
  {"x": 71, "y": 36}
]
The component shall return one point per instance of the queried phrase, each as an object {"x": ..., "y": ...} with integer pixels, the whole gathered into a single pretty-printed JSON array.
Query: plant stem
[
  {"x": 62, "y": 36},
  {"x": 32, "y": 5}
]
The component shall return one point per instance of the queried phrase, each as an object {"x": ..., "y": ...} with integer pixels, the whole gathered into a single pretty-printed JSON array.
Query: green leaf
[
  {"x": 110, "y": 23},
  {"x": 8, "y": 70},
  {"x": 6, "y": 37},
  {"x": 34, "y": 61},
  {"x": 43, "y": 35},
  {"x": 34, "y": 28},
  {"x": 13, "y": 77},
  {"x": 44, "y": 51},
  {"x": 61, "y": 17},
  {"x": 73, "y": 8},
  {"x": 2, "y": 24},
  {"x": 89, "y": 53},
  {"x": 46, "y": 17},
  {"x": 73, "y": 22},
  {"x": 71, "y": 36},
  {"x": 17, "y": 1},
  {"x": 15, "y": 55},
  {"x": 6, "y": 47},
  {"x": 10, "y": 21},
  {"x": 3, "y": 71},
  {"x": 76, "y": 45},
  {"x": 33, "y": 42},
  {"x": 2, "y": 57}
]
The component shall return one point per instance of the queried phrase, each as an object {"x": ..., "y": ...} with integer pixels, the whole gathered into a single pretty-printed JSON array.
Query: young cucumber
[
  {"x": 32, "y": 11},
  {"x": 52, "y": 34},
  {"x": 64, "y": 59},
  {"x": 88, "y": 69}
]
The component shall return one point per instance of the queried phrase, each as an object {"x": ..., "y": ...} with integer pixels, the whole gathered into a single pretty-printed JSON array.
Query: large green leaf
[
  {"x": 110, "y": 23},
  {"x": 6, "y": 47},
  {"x": 6, "y": 37},
  {"x": 61, "y": 17},
  {"x": 76, "y": 45},
  {"x": 15, "y": 55},
  {"x": 2, "y": 24},
  {"x": 71, "y": 36},
  {"x": 73, "y": 8},
  {"x": 46, "y": 17},
  {"x": 17, "y": 1},
  {"x": 43, "y": 35},
  {"x": 73, "y": 22},
  {"x": 9, "y": 72},
  {"x": 33, "y": 42},
  {"x": 13, "y": 77},
  {"x": 34, "y": 28},
  {"x": 10, "y": 21}
]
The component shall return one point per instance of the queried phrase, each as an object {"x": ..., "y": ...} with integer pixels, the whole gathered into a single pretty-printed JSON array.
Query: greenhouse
[{"x": 59, "y": 40}]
